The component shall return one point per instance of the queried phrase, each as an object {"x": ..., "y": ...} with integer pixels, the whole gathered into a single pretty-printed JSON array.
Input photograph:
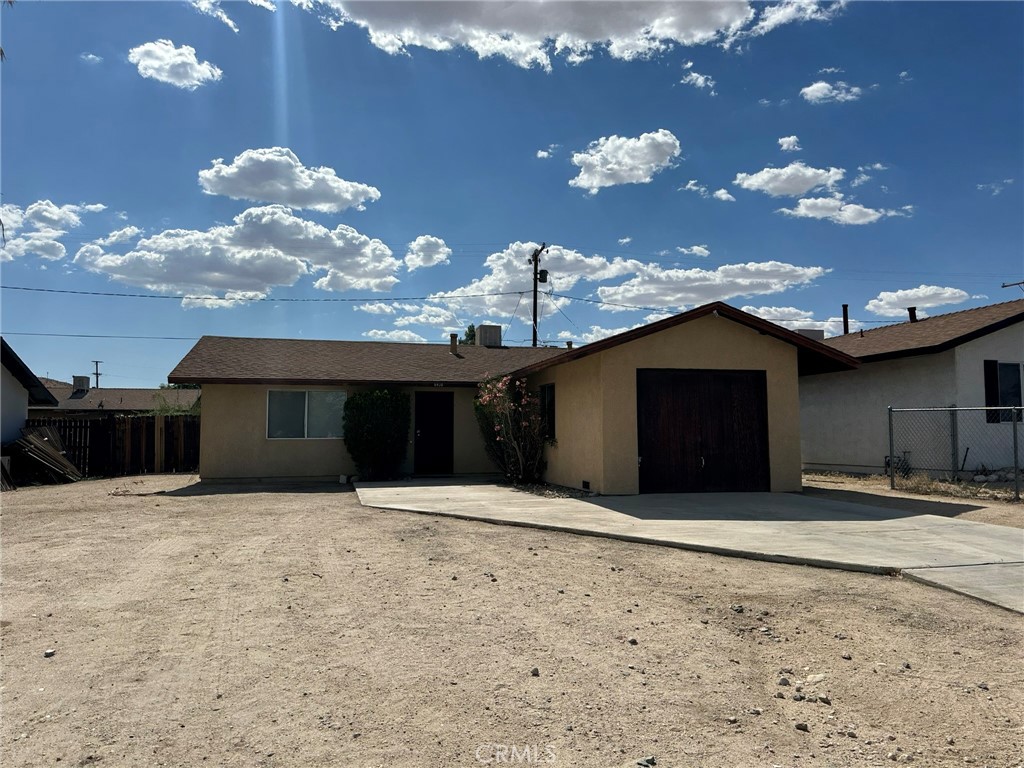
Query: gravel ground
[{"x": 261, "y": 626}]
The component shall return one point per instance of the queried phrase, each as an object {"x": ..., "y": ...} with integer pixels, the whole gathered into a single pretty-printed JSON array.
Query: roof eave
[{"x": 814, "y": 357}]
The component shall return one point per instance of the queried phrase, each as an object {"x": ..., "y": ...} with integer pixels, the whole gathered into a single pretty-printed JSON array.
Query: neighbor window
[
  {"x": 1003, "y": 389},
  {"x": 547, "y": 410},
  {"x": 316, "y": 413}
]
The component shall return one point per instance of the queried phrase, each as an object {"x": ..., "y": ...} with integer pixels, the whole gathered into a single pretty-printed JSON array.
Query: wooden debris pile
[{"x": 38, "y": 457}]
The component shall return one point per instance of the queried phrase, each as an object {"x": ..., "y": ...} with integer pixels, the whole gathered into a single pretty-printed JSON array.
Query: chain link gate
[{"x": 959, "y": 445}]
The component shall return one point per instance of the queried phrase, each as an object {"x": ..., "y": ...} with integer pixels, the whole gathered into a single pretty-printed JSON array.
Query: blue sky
[{"x": 389, "y": 167}]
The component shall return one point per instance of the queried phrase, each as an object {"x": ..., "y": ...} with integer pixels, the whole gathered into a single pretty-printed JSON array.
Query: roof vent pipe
[
  {"x": 454, "y": 343},
  {"x": 912, "y": 311},
  {"x": 846, "y": 319}
]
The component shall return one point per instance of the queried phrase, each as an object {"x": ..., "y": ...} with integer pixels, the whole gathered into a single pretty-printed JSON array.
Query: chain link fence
[{"x": 977, "y": 446}]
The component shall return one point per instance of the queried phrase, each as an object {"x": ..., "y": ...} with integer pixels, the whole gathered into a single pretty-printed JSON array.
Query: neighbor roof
[
  {"x": 232, "y": 360},
  {"x": 67, "y": 399},
  {"x": 37, "y": 393},
  {"x": 932, "y": 334},
  {"x": 812, "y": 356}
]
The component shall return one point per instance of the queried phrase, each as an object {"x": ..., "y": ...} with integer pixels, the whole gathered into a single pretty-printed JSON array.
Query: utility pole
[
  {"x": 97, "y": 374},
  {"x": 539, "y": 276}
]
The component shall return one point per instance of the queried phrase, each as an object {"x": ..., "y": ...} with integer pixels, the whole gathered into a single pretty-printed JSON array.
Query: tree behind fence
[{"x": 116, "y": 445}]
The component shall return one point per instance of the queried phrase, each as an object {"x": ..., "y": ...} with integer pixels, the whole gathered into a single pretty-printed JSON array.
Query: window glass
[
  {"x": 286, "y": 414},
  {"x": 325, "y": 414},
  {"x": 1009, "y": 388}
]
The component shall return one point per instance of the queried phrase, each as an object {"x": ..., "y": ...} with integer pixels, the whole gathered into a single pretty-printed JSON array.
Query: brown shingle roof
[
  {"x": 230, "y": 360},
  {"x": 933, "y": 334},
  {"x": 121, "y": 399},
  {"x": 812, "y": 356}
]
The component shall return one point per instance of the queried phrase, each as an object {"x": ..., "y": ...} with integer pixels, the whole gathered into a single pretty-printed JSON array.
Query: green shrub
[{"x": 377, "y": 432}]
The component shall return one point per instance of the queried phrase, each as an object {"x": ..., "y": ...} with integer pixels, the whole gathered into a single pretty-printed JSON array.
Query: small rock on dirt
[
  {"x": 783, "y": 681},
  {"x": 803, "y": 727},
  {"x": 49, "y": 652},
  {"x": 535, "y": 672}
]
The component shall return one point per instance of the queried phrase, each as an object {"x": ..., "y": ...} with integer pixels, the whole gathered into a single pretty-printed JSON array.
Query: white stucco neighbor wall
[
  {"x": 991, "y": 445},
  {"x": 844, "y": 421},
  {"x": 13, "y": 406}
]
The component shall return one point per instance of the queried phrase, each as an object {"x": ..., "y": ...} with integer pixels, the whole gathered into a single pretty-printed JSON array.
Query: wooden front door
[
  {"x": 434, "y": 441},
  {"x": 702, "y": 430}
]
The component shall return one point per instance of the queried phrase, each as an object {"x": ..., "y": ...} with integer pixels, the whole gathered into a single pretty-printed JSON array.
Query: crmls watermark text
[{"x": 514, "y": 754}]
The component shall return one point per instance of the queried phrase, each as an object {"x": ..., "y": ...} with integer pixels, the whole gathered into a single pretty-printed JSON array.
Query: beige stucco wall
[
  {"x": 597, "y": 437},
  {"x": 234, "y": 444}
]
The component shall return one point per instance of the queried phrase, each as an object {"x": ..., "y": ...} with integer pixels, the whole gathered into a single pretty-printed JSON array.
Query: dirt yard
[
  {"x": 292, "y": 627},
  {"x": 965, "y": 501}
]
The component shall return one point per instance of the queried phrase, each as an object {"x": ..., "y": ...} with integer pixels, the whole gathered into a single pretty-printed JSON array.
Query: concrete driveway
[{"x": 984, "y": 561}]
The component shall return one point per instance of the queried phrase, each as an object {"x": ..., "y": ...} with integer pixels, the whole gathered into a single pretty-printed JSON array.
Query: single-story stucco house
[
  {"x": 77, "y": 399},
  {"x": 706, "y": 400},
  {"x": 971, "y": 358},
  {"x": 19, "y": 388}
]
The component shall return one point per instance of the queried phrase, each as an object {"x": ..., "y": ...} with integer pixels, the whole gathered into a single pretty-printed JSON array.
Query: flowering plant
[{"x": 510, "y": 421}]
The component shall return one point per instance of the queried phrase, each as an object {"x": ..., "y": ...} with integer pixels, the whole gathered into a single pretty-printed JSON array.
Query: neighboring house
[
  {"x": 968, "y": 359},
  {"x": 79, "y": 400},
  {"x": 705, "y": 400},
  {"x": 19, "y": 389}
]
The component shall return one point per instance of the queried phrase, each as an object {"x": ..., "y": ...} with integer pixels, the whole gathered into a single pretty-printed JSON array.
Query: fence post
[
  {"x": 1016, "y": 414},
  {"x": 892, "y": 454},
  {"x": 954, "y": 443}
]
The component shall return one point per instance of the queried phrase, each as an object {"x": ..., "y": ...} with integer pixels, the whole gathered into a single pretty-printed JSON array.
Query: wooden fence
[{"x": 115, "y": 445}]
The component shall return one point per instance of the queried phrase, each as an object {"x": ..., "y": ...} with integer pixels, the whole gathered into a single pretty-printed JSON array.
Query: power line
[
  {"x": 100, "y": 336},
  {"x": 314, "y": 299}
]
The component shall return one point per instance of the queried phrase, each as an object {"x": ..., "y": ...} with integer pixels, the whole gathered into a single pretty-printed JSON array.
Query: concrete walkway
[{"x": 984, "y": 561}]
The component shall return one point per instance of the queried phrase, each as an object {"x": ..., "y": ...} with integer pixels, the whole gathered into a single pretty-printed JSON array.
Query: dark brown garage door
[{"x": 702, "y": 430}]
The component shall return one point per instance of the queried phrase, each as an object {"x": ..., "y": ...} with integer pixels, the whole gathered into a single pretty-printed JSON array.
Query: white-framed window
[{"x": 314, "y": 414}]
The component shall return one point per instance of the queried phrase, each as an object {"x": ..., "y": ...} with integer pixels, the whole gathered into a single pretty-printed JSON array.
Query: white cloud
[
  {"x": 119, "y": 236},
  {"x": 697, "y": 80},
  {"x": 403, "y": 336},
  {"x": 654, "y": 286},
  {"x": 905, "y": 77},
  {"x": 613, "y": 160},
  {"x": 822, "y": 92},
  {"x": 428, "y": 314},
  {"x": 212, "y": 8},
  {"x": 596, "y": 333},
  {"x": 276, "y": 175},
  {"x": 724, "y": 196},
  {"x": 179, "y": 67},
  {"x": 838, "y": 211},
  {"x": 695, "y": 250},
  {"x": 995, "y": 187},
  {"x": 263, "y": 248},
  {"x": 230, "y": 299},
  {"x": 427, "y": 251},
  {"x": 830, "y": 70},
  {"x": 91, "y": 58},
  {"x": 790, "y": 144},
  {"x": 794, "y": 180},
  {"x": 508, "y": 273},
  {"x": 375, "y": 308},
  {"x": 694, "y": 186},
  {"x": 895, "y": 303},
  {"x": 545, "y": 154},
  {"x": 789, "y": 11},
  {"x": 47, "y": 223},
  {"x": 863, "y": 176},
  {"x": 625, "y": 240},
  {"x": 532, "y": 35},
  {"x": 795, "y": 319}
]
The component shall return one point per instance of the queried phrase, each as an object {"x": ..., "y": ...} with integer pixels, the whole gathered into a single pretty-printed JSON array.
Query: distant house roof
[
  {"x": 232, "y": 360},
  {"x": 37, "y": 393},
  {"x": 930, "y": 335},
  {"x": 812, "y": 356},
  {"x": 67, "y": 399}
]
